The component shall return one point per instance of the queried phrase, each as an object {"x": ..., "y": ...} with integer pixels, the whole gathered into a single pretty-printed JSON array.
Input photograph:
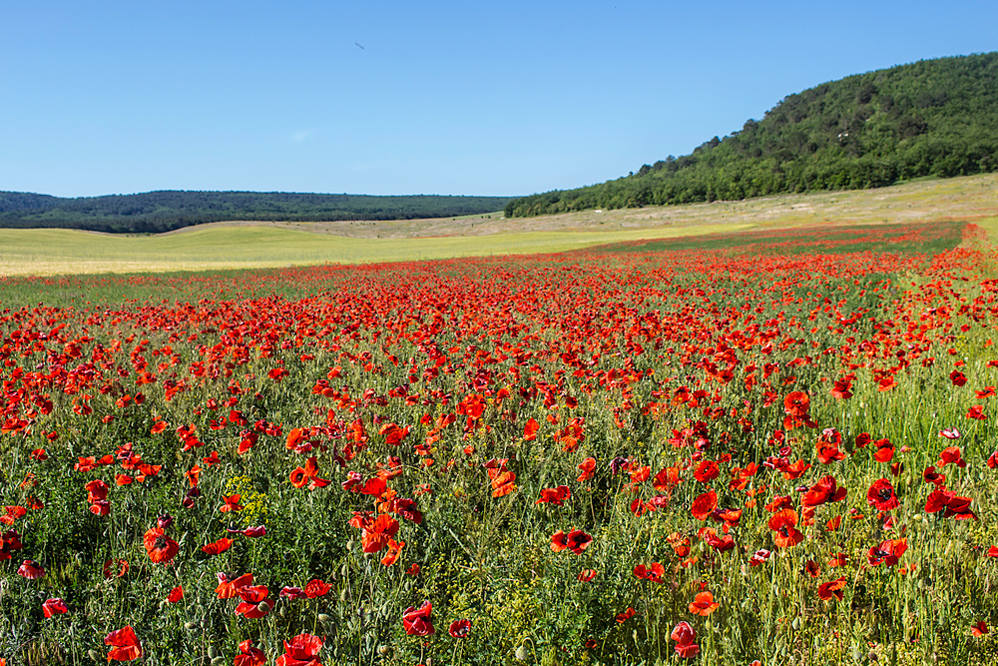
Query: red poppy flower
[
  {"x": 704, "y": 604},
  {"x": 556, "y": 496},
  {"x": 575, "y": 541},
  {"x": 503, "y": 482},
  {"x": 460, "y": 628},
  {"x": 217, "y": 547},
  {"x": 704, "y": 505},
  {"x": 417, "y": 622},
  {"x": 249, "y": 655},
  {"x": 176, "y": 594},
  {"x": 881, "y": 496},
  {"x": 684, "y": 635},
  {"x": 230, "y": 588},
  {"x": 255, "y": 603},
  {"x": 666, "y": 479},
  {"x": 825, "y": 490},
  {"x": 587, "y": 575},
  {"x": 653, "y": 572},
  {"x": 394, "y": 549},
  {"x": 161, "y": 548},
  {"x": 11, "y": 514},
  {"x": 302, "y": 650},
  {"x": 979, "y": 629},
  {"x": 54, "y": 607},
  {"x": 588, "y": 468},
  {"x": 977, "y": 412},
  {"x": 842, "y": 390},
  {"x": 292, "y": 593},
  {"x": 885, "y": 450},
  {"x": 797, "y": 404},
  {"x": 784, "y": 523},
  {"x": 125, "y": 645},
  {"x": 832, "y": 589},
  {"x": 706, "y": 471},
  {"x": 31, "y": 570},
  {"x": 951, "y": 454},
  {"x": 231, "y": 503},
  {"x": 888, "y": 552},
  {"x": 718, "y": 542},
  {"x": 309, "y": 474},
  {"x": 625, "y": 616},
  {"x": 931, "y": 476},
  {"x": 317, "y": 588}
]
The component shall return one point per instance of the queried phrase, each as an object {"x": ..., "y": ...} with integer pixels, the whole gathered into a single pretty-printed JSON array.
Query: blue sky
[{"x": 417, "y": 97}]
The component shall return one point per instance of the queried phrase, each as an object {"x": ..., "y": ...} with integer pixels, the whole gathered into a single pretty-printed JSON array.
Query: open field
[
  {"x": 60, "y": 251},
  {"x": 967, "y": 198},
  {"x": 769, "y": 444},
  {"x": 260, "y": 245}
]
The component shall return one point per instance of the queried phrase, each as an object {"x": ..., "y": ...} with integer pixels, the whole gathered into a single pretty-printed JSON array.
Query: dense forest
[
  {"x": 153, "y": 212},
  {"x": 931, "y": 118}
]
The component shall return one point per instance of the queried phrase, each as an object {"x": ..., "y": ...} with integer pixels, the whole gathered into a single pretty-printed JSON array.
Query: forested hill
[
  {"x": 172, "y": 209},
  {"x": 934, "y": 117}
]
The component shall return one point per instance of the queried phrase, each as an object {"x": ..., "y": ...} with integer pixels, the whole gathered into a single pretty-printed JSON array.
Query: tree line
[
  {"x": 930, "y": 118},
  {"x": 154, "y": 212}
]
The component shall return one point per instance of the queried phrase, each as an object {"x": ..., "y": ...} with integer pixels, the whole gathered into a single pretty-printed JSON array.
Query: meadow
[
  {"x": 773, "y": 447},
  {"x": 764, "y": 447},
  {"x": 235, "y": 245}
]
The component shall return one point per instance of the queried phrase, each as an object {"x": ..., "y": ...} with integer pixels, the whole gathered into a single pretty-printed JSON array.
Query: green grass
[
  {"x": 59, "y": 251},
  {"x": 224, "y": 246}
]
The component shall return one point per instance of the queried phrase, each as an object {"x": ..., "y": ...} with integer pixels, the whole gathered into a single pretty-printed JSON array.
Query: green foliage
[
  {"x": 154, "y": 212},
  {"x": 930, "y": 118}
]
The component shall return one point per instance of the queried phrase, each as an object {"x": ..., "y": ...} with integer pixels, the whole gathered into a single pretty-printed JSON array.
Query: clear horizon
[{"x": 395, "y": 99}]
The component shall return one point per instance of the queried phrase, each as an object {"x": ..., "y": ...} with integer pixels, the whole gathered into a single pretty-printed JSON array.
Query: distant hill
[
  {"x": 172, "y": 209},
  {"x": 930, "y": 118}
]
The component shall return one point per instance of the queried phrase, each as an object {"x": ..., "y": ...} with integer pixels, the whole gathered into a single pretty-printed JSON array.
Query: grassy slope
[{"x": 59, "y": 251}]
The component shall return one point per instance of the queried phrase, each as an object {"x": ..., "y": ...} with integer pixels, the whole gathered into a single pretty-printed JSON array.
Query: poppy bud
[
  {"x": 190, "y": 624},
  {"x": 384, "y": 650},
  {"x": 263, "y": 607},
  {"x": 323, "y": 618},
  {"x": 218, "y": 661},
  {"x": 520, "y": 653}
]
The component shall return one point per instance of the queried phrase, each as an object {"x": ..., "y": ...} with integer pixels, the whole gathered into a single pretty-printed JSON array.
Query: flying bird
[{"x": 359, "y": 46}]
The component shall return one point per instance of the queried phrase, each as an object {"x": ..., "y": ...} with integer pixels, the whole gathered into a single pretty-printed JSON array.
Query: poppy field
[{"x": 775, "y": 447}]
